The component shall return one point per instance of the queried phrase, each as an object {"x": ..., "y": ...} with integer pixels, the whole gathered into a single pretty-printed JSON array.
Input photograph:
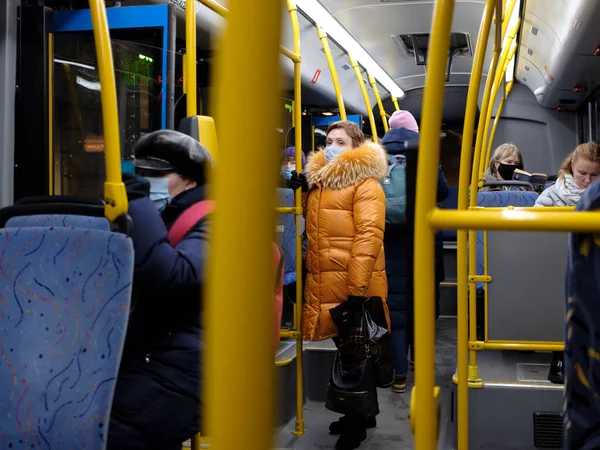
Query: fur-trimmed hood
[{"x": 367, "y": 161}]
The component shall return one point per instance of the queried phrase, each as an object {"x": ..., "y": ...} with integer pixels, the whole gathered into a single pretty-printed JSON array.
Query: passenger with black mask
[
  {"x": 506, "y": 159},
  {"x": 157, "y": 399}
]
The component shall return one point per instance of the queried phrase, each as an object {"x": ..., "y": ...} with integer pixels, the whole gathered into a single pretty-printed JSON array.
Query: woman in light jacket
[
  {"x": 344, "y": 206},
  {"x": 577, "y": 172}
]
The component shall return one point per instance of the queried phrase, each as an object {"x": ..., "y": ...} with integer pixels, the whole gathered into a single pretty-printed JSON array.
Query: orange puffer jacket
[{"x": 345, "y": 221}]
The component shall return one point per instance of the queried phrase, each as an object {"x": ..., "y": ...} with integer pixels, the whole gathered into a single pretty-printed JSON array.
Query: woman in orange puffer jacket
[{"x": 344, "y": 206}]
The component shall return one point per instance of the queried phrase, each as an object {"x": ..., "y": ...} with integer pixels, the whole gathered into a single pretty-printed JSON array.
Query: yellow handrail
[
  {"x": 425, "y": 409},
  {"x": 395, "y": 102},
  {"x": 515, "y": 220},
  {"x": 215, "y": 7},
  {"x": 373, "y": 84},
  {"x": 365, "y": 94},
  {"x": 248, "y": 404},
  {"x": 486, "y": 111},
  {"x": 507, "y": 53},
  {"x": 115, "y": 196},
  {"x": 488, "y": 153},
  {"x": 190, "y": 56},
  {"x": 299, "y": 426},
  {"x": 461, "y": 244},
  {"x": 333, "y": 70}
]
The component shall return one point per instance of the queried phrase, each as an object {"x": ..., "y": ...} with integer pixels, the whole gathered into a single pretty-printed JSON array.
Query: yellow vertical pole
[
  {"x": 426, "y": 410},
  {"x": 507, "y": 15},
  {"x": 461, "y": 244},
  {"x": 297, "y": 112},
  {"x": 190, "y": 60},
  {"x": 365, "y": 94},
  {"x": 507, "y": 53},
  {"x": 114, "y": 189},
  {"x": 184, "y": 61},
  {"x": 486, "y": 109},
  {"x": 251, "y": 41},
  {"x": 395, "y": 102},
  {"x": 373, "y": 84},
  {"x": 473, "y": 369},
  {"x": 496, "y": 120},
  {"x": 333, "y": 70}
]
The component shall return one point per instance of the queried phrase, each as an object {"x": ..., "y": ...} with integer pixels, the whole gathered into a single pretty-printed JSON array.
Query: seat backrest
[
  {"x": 286, "y": 234},
  {"x": 499, "y": 199},
  {"x": 582, "y": 346},
  {"x": 59, "y": 220},
  {"x": 64, "y": 305}
]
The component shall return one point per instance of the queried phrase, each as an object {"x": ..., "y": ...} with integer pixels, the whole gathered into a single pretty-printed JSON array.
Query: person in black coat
[
  {"x": 398, "y": 261},
  {"x": 157, "y": 398}
]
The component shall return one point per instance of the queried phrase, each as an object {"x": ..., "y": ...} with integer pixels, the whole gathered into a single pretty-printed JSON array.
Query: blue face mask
[
  {"x": 286, "y": 173},
  {"x": 332, "y": 151},
  {"x": 159, "y": 192}
]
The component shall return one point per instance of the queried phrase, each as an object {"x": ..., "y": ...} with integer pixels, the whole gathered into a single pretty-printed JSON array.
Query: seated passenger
[
  {"x": 156, "y": 403},
  {"x": 507, "y": 157},
  {"x": 576, "y": 173},
  {"x": 399, "y": 263},
  {"x": 288, "y": 164}
]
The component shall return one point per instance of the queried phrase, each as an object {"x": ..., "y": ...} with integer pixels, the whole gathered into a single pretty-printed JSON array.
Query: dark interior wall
[{"x": 543, "y": 135}]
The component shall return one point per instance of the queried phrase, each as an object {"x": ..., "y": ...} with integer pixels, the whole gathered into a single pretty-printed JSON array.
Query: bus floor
[{"x": 393, "y": 422}]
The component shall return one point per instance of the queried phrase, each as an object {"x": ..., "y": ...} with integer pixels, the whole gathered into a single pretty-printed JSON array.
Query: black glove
[
  {"x": 298, "y": 180},
  {"x": 136, "y": 186}
]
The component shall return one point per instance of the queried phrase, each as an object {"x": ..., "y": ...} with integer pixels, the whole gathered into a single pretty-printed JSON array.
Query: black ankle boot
[
  {"x": 351, "y": 438},
  {"x": 336, "y": 428},
  {"x": 556, "y": 374}
]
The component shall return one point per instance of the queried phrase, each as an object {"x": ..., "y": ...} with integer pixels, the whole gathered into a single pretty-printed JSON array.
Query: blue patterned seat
[
  {"x": 582, "y": 346},
  {"x": 64, "y": 305},
  {"x": 499, "y": 199},
  {"x": 59, "y": 220},
  {"x": 286, "y": 235}
]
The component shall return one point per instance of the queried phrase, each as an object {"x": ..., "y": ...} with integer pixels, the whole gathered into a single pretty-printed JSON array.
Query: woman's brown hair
[
  {"x": 589, "y": 151},
  {"x": 351, "y": 129}
]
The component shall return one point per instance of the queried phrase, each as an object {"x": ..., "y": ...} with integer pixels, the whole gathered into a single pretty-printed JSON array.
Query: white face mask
[{"x": 332, "y": 151}]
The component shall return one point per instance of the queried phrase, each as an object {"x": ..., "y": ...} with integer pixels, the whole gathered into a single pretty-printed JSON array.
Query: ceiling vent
[{"x": 417, "y": 47}]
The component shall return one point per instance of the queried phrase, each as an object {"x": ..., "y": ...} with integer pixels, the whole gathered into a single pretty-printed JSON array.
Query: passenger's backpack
[
  {"x": 191, "y": 216},
  {"x": 394, "y": 186}
]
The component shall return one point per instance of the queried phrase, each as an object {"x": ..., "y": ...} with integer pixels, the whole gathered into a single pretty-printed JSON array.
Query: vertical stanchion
[
  {"x": 382, "y": 113},
  {"x": 115, "y": 196},
  {"x": 299, "y": 428},
  {"x": 190, "y": 59},
  {"x": 333, "y": 70},
  {"x": 426, "y": 419},
  {"x": 395, "y": 102},
  {"x": 365, "y": 94},
  {"x": 461, "y": 244},
  {"x": 251, "y": 42}
]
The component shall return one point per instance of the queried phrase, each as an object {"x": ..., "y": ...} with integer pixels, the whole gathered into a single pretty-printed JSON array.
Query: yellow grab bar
[
  {"x": 488, "y": 153},
  {"x": 373, "y": 84},
  {"x": 365, "y": 94},
  {"x": 425, "y": 419},
  {"x": 115, "y": 196},
  {"x": 515, "y": 220},
  {"x": 333, "y": 70},
  {"x": 461, "y": 244},
  {"x": 248, "y": 404},
  {"x": 190, "y": 56},
  {"x": 215, "y": 7},
  {"x": 395, "y": 102},
  {"x": 299, "y": 426},
  {"x": 507, "y": 53},
  {"x": 487, "y": 109}
]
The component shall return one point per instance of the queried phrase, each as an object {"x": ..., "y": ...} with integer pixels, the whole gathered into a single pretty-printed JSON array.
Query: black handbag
[{"x": 363, "y": 359}]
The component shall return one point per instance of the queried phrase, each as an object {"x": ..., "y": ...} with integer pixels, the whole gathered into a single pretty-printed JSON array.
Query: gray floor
[{"x": 393, "y": 424}]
